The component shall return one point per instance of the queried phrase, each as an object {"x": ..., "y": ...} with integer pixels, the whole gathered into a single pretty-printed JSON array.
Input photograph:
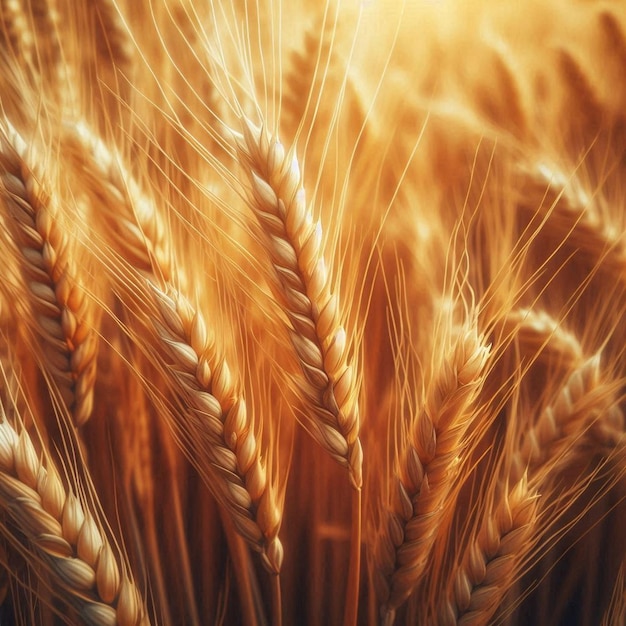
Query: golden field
[{"x": 313, "y": 312}]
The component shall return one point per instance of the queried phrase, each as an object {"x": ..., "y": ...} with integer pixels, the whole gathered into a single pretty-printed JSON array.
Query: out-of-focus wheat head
[{"x": 312, "y": 312}]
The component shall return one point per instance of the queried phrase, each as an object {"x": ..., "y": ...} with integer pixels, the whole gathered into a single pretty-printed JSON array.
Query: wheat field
[{"x": 313, "y": 312}]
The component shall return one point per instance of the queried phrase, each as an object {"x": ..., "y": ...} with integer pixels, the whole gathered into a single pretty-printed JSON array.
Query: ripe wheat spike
[{"x": 312, "y": 312}]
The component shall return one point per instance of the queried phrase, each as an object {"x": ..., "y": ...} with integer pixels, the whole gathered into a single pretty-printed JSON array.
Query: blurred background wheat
[{"x": 312, "y": 312}]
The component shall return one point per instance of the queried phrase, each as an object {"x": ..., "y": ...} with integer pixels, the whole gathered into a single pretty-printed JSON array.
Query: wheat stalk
[
  {"x": 67, "y": 539},
  {"x": 544, "y": 337},
  {"x": 45, "y": 18},
  {"x": 492, "y": 559},
  {"x": 584, "y": 406},
  {"x": 294, "y": 243},
  {"x": 113, "y": 42},
  {"x": 578, "y": 81},
  {"x": 573, "y": 215},
  {"x": 219, "y": 419},
  {"x": 138, "y": 228},
  {"x": 16, "y": 29},
  {"x": 613, "y": 32},
  {"x": 425, "y": 472},
  {"x": 64, "y": 316},
  {"x": 502, "y": 100}
]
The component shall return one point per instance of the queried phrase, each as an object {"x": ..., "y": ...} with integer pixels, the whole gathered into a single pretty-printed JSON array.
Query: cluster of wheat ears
[{"x": 313, "y": 312}]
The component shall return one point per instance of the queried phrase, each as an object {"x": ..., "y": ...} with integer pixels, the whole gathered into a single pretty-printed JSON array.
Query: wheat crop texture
[{"x": 313, "y": 312}]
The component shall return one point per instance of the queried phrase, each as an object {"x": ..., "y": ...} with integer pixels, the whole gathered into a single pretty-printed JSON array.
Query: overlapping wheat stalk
[
  {"x": 216, "y": 422},
  {"x": 294, "y": 244},
  {"x": 586, "y": 405}
]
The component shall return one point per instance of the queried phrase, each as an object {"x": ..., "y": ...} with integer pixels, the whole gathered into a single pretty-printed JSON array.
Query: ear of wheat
[{"x": 312, "y": 312}]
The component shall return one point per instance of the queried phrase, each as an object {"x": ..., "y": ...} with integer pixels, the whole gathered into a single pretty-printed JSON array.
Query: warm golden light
[{"x": 312, "y": 313}]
